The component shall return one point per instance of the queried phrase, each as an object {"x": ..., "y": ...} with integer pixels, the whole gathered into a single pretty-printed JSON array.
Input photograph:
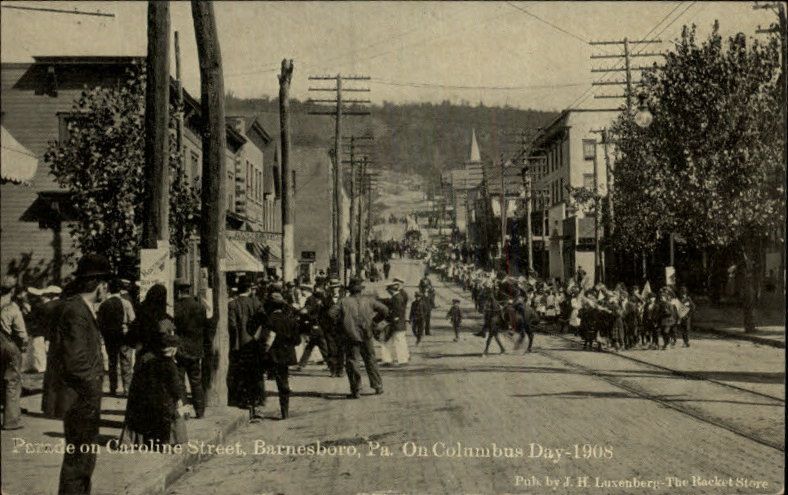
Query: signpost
[{"x": 157, "y": 267}]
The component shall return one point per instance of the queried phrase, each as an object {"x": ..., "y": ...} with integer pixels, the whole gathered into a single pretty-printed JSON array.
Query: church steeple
[{"x": 475, "y": 155}]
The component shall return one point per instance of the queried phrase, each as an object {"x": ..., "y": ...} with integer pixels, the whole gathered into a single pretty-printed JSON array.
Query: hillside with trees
[{"x": 417, "y": 138}]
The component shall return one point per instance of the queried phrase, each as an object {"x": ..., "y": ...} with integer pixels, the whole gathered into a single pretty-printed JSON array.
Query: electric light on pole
[{"x": 643, "y": 116}]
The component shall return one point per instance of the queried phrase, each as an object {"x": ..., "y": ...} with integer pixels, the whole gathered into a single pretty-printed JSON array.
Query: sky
[{"x": 522, "y": 54}]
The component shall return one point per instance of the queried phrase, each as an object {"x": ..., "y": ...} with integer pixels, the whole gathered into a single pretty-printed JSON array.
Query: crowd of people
[
  {"x": 154, "y": 356},
  {"x": 615, "y": 319}
]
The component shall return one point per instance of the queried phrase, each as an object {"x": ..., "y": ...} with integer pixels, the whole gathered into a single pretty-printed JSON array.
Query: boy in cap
[{"x": 455, "y": 317}]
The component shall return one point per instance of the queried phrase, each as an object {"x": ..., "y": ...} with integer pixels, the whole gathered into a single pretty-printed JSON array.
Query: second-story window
[{"x": 589, "y": 149}]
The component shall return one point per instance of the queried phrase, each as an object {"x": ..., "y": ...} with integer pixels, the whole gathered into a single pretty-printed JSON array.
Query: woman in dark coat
[
  {"x": 155, "y": 396},
  {"x": 152, "y": 320}
]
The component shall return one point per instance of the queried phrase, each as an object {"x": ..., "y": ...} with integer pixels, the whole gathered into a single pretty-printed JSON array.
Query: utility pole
[
  {"x": 625, "y": 56},
  {"x": 503, "y": 216},
  {"x": 214, "y": 195},
  {"x": 598, "y": 275},
  {"x": 181, "y": 263},
  {"x": 288, "y": 236},
  {"x": 362, "y": 243},
  {"x": 528, "y": 185},
  {"x": 157, "y": 133},
  {"x": 356, "y": 195},
  {"x": 338, "y": 112}
]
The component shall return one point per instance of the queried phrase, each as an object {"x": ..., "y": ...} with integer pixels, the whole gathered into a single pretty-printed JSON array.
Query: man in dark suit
[
  {"x": 314, "y": 307},
  {"x": 281, "y": 354},
  {"x": 191, "y": 325},
  {"x": 395, "y": 342},
  {"x": 245, "y": 319},
  {"x": 75, "y": 349}
]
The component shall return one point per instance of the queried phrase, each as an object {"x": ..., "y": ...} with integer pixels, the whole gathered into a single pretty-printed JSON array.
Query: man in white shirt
[{"x": 13, "y": 344}]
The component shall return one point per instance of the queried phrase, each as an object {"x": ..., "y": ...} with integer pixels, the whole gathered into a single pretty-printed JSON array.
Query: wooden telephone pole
[
  {"x": 157, "y": 128},
  {"x": 625, "y": 56},
  {"x": 288, "y": 236},
  {"x": 214, "y": 195},
  {"x": 356, "y": 195},
  {"x": 338, "y": 112}
]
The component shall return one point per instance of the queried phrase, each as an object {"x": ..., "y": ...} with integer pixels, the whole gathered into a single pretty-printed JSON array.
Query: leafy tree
[
  {"x": 709, "y": 167},
  {"x": 102, "y": 163}
]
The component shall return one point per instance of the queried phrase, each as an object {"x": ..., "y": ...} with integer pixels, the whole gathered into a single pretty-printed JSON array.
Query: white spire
[{"x": 475, "y": 155}]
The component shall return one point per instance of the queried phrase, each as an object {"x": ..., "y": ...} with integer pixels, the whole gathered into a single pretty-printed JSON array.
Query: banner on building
[{"x": 248, "y": 236}]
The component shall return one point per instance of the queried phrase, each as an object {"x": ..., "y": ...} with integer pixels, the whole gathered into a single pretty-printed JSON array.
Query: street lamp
[{"x": 643, "y": 116}]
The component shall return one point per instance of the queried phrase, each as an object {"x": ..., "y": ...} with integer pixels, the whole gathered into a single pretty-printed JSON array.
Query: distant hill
[{"x": 413, "y": 138}]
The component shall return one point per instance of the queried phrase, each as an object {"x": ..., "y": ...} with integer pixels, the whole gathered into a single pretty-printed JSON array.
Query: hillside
[{"x": 414, "y": 138}]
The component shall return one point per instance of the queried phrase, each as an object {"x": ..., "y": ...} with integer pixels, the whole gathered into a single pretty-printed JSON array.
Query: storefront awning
[
  {"x": 238, "y": 259},
  {"x": 17, "y": 163}
]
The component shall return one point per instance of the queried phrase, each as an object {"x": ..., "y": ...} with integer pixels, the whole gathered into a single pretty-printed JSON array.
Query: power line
[
  {"x": 587, "y": 93},
  {"x": 548, "y": 22},
  {"x": 58, "y": 11},
  {"x": 491, "y": 88}
]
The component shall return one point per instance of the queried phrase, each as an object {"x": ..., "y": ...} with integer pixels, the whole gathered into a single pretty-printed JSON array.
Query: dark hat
[
  {"x": 182, "y": 282},
  {"x": 93, "y": 266},
  {"x": 392, "y": 285},
  {"x": 356, "y": 284},
  {"x": 277, "y": 298},
  {"x": 455, "y": 300},
  {"x": 399, "y": 280},
  {"x": 7, "y": 284},
  {"x": 417, "y": 295}
]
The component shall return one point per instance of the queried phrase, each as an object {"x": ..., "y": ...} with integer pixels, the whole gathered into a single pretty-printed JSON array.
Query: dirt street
[{"x": 557, "y": 420}]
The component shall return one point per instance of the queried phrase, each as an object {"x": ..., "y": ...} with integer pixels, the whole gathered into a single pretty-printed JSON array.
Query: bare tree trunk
[{"x": 748, "y": 287}]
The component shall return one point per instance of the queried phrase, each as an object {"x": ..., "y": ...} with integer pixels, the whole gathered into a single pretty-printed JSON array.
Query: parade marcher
[
  {"x": 386, "y": 268},
  {"x": 455, "y": 317},
  {"x": 115, "y": 316},
  {"x": 685, "y": 314},
  {"x": 13, "y": 344},
  {"x": 191, "y": 325},
  {"x": 77, "y": 362},
  {"x": 494, "y": 318},
  {"x": 356, "y": 313},
  {"x": 668, "y": 317},
  {"x": 245, "y": 319},
  {"x": 416, "y": 317},
  {"x": 314, "y": 307},
  {"x": 155, "y": 404},
  {"x": 394, "y": 345},
  {"x": 281, "y": 353},
  {"x": 428, "y": 300}
]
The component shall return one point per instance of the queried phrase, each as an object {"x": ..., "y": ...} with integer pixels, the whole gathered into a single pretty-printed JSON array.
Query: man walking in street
[
  {"x": 115, "y": 316},
  {"x": 428, "y": 300},
  {"x": 386, "y": 268},
  {"x": 281, "y": 354},
  {"x": 455, "y": 317},
  {"x": 75, "y": 353},
  {"x": 332, "y": 330},
  {"x": 356, "y": 313},
  {"x": 416, "y": 317},
  {"x": 395, "y": 346},
  {"x": 191, "y": 324},
  {"x": 13, "y": 344},
  {"x": 314, "y": 306}
]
